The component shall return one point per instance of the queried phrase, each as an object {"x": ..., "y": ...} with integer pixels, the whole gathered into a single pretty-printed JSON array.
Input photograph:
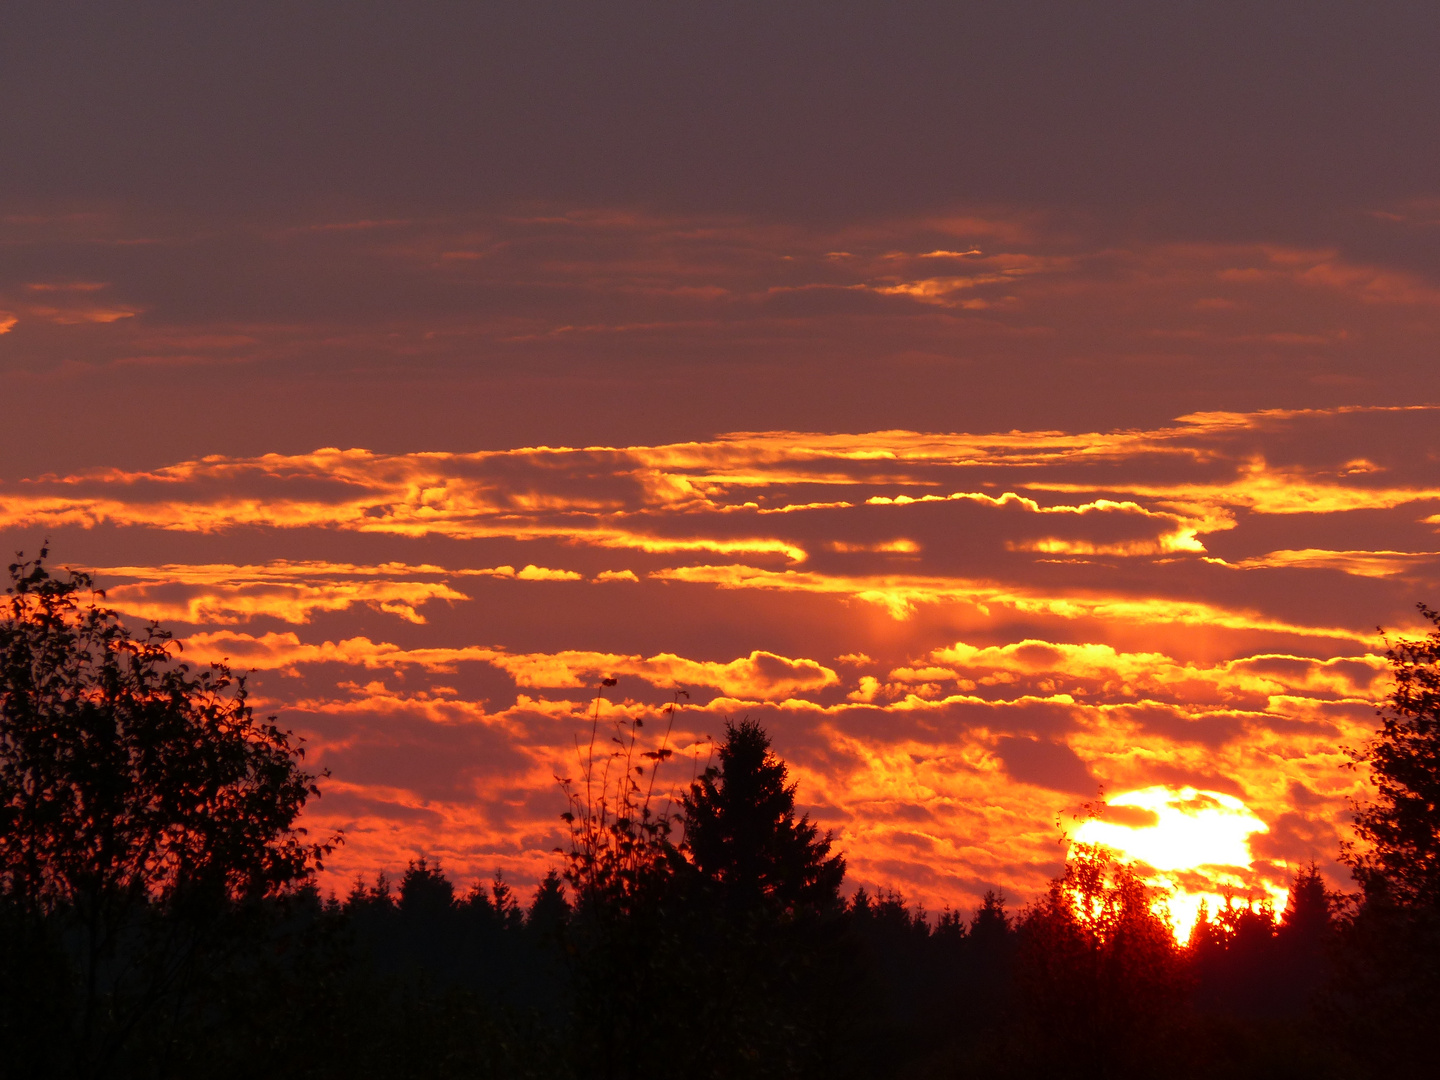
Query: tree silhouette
[
  {"x": 625, "y": 948},
  {"x": 991, "y": 923},
  {"x": 137, "y": 799},
  {"x": 990, "y": 953},
  {"x": 1398, "y": 860},
  {"x": 1303, "y": 940},
  {"x": 549, "y": 911},
  {"x": 1235, "y": 960},
  {"x": 741, "y": 832},
  {"x": 425, "y": 891},
  {"x": 762, "y": 935},
  {"x": 620, "y": 854},
  {"x": 1390, "y": 992},
  {"x": 1309, "y": 908},
  {"x": 124, "y": 774},
  {"x": 1100, "y": 978},
  {"x": 505, "y": 903}
]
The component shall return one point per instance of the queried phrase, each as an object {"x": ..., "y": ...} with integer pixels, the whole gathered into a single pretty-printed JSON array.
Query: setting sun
[{"x": 1193, "y": 844}]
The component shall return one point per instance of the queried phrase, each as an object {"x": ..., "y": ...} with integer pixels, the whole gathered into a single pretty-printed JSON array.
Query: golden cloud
[
  {"x": 760, "y": 676},
  {"x": 1377, "y": 564},
  {"x": 899, "y": 595}
]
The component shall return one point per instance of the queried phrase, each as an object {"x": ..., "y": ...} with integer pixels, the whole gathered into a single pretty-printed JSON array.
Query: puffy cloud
[{"x": 540, "y": 573}]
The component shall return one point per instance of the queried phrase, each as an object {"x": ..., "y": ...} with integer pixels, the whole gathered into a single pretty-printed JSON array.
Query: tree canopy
[
  {"x": 1398, "y": 859},
  {"x": 144, "y": 811},
  {"x": 124, "y": 772}
]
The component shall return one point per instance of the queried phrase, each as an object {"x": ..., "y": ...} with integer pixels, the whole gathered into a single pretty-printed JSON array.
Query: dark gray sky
[
  {"x": 449, "y": 224},
  {"x": 1213, "y": 116}
]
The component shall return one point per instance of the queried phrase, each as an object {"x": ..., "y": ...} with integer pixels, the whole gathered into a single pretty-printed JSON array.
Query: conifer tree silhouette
[
  {"x": 1398, "y": 860},
  {"x": 1391, "y": 955},
  {"x": 742, "y": 834},
  {"x": 549, "y": 910}
]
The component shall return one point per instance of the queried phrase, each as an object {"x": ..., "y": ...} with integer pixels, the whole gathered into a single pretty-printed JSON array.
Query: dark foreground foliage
[
  {"x": 158, "y": 918},
  {"x": 417, "y": 980},
  {"x": 689, "y": 972}
]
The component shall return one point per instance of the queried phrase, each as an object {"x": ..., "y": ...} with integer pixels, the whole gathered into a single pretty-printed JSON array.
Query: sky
[{"x": 1014, "y": 408}]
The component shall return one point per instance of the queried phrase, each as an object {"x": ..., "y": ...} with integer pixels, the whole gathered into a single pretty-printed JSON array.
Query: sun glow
[{"x": 1193, "y": 845}]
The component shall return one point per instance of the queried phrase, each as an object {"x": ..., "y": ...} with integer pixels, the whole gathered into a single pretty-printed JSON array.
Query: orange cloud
[
  {"x": 1378, "y": 564},
  {"x": 1101, "y": 670},
  {"x": 290, "y": 591},
  {"x": 540, "y": 573},
  {"x": 899, "y": 595},
  {"x": 71, "y": 316},
  {"x": 1265, "y": 490},
  {"x": 760, "y": 676},
  {"x": 478, "y": 496}
]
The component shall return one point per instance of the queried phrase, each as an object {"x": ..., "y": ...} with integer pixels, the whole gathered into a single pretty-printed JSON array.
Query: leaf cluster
[
  {"x": 125, "y": 772},
  {"x": 1397, "y": 861}
]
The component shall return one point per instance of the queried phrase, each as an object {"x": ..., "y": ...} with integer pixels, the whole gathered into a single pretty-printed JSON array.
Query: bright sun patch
[{"x": 1193, "y": 844}]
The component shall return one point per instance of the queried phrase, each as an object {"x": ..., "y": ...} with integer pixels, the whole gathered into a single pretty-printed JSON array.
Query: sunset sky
[{"x": 1000, "y": 403}]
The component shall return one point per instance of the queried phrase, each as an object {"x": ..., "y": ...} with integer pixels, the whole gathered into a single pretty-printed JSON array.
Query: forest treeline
[{"x": 159, "y": 915}]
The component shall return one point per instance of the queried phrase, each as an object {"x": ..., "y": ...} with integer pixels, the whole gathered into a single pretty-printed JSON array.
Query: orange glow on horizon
[{"x": 1192, "y": 845}]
